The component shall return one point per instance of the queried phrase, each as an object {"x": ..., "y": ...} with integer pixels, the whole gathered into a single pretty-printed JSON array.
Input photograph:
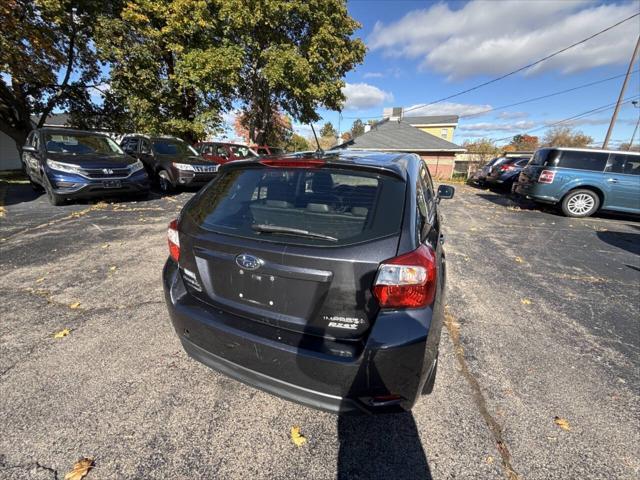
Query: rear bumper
[
  {"x": 535, "y": 191},
  {"x": 395, "y": 360}
]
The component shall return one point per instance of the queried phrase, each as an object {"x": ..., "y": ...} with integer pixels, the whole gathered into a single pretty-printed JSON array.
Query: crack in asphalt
[
  {"x": 496, "y": 430},
  {"x": 36, "y": 464}
]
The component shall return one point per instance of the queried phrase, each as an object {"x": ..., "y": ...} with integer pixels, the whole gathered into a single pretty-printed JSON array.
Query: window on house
[{"x": 444, "y": 132}]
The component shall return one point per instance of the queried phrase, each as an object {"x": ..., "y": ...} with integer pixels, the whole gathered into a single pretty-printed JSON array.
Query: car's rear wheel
[
  {"x": 580, "y": 203},
  {"x": 54, "y": 199},
  {"x": 166, "y": 186}
]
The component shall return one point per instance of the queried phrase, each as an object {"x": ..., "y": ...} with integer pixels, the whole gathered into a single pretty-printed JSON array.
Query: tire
[
  {"x": 165, "y": 183},
  {"x": 431, "y": 381},
  {"x": 54, "y": 199},
  {"x": 580, "y": 203}
]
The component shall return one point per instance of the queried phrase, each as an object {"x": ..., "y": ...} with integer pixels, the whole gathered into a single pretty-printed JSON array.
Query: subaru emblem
[{"x": 249, "y": 262}]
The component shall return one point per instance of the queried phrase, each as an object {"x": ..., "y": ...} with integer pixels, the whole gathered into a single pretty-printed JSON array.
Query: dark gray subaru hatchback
[{"x": 318, "y": 277}]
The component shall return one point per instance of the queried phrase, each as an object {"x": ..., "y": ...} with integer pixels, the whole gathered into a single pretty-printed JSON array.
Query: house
[
  {"x": 398, "y": 135},
  {"x": 9, "y": 155},
  {"x": 441, "y": 126}
]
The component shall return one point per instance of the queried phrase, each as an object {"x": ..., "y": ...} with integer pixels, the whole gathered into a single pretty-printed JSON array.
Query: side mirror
[
  {"x": 29, "y": 148},
  {"x": 445, "y": 192}
]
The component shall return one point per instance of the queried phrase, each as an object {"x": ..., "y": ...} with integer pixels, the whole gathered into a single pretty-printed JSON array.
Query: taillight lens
[
  {"x": 407, "y": 281},
  {"x": 505, "y": 168},
  {"x": 546, "y": 176},
  {"x": 174, "y": 240}
]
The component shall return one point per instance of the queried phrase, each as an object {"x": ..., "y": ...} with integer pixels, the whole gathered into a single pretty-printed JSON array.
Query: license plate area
[
  {"x": 256, "y": 288},
  {"x": 112, "y": 184}
]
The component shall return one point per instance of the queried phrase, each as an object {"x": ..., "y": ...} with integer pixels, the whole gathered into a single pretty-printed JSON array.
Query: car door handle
[{"x": 612, "y": 180}]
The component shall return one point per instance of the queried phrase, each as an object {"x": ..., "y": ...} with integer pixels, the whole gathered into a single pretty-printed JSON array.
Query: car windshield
[
  {"x": 173, "y": 147},
  {"x": 301, "y": 206},
  {"x": 80, "y": 144},
  {"x": 241, "y": 151}
]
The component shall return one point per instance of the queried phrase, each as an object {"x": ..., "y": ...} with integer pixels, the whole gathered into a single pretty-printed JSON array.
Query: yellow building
[{"x": 441, "y": 126}]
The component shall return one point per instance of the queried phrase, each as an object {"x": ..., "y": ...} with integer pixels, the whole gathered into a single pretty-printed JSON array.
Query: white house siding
[{"x": 9, "y": 158}]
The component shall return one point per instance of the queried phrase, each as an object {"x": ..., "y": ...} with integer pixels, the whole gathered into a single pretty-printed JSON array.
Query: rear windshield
[
  {"x": 240, "y": 151},
  {"x": 173, "y": 147},
  {"x": 301, "y": 206}
]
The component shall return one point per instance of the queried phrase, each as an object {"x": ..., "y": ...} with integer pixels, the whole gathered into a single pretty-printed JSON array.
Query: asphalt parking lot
[{"x": 542, "y": 323}]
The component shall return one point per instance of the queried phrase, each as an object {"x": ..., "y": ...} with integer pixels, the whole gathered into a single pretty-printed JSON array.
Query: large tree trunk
[{"x": 15, "y": 118}]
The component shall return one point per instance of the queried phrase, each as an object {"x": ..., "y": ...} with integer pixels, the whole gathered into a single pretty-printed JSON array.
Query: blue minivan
[{"x": 583, "y": 181}]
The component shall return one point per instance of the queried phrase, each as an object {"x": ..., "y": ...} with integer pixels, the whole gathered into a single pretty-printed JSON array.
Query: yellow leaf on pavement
[
  {"x": 519, "y": 259},
  {"x": 526, "y": 301},
  {"x": 62, "y": 333},
  {"x": 113, "y": 268},
  {"x": 40, "y": 280},
  {"x": 296, "y": 437},
  {"x": 74, "y": 305},
  {"x": 563, "y": 423},
  {"x": 80, "y": 469}
]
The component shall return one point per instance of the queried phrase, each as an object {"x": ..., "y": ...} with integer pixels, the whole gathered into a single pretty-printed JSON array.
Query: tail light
[
  {"x": 546, "y": 176},
  {"x": 174, "y": 240},
  {"x": 505, "y": 168},
  {"x": 407, "y": 281}
]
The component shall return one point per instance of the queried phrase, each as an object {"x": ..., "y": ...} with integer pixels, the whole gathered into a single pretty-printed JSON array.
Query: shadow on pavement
[
  {"x": 625, "y": 240},
  {"x": 20, "y": 193},
  {"x": 380, "y": 447}
]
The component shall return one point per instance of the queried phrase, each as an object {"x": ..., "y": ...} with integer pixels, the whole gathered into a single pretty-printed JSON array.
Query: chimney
[
  {"x": 394, "y": 113},
  {"x": 367, "y": 128}
]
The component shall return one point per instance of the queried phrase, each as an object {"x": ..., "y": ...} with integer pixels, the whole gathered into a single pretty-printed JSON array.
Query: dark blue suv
[
  {"x": 79, "y": 164},
  {"x": 318, "y": 278}
]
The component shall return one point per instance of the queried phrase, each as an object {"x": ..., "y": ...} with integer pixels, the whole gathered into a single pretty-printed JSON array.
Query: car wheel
[
  {"x": 580, "y": 203},
  {"x": 165, "y": 182},
  {"x": 54, "y": 199},
  {"x": 431, "y": 381}
]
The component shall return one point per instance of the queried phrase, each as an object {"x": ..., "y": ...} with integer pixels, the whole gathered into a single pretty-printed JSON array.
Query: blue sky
[{"x": 421, "y": 51}]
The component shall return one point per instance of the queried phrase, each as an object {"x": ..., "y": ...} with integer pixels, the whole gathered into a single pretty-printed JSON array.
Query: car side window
[
  {"x": 428, "y": 192},
  {"x": 221, "y": 151},
  {"x": 632, "y": 165},
  {"x": 583, "y": 160},
  {"x": 145, "y": 147}
]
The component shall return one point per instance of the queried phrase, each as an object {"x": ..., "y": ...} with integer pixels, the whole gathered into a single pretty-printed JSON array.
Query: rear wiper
[{"x": 291, "y": 231}]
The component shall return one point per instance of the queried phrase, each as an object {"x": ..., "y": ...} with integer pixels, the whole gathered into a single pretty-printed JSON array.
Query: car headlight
[
  {"x": 65, "y": 167},
  {"x": 184, "y": 166},
  {"x": 134, "y": 167}
]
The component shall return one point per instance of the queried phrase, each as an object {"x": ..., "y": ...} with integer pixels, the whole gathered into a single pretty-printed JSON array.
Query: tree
[
  {"x": 48, "y": 59},
  {"x": 525, "y": 142},
  {"x": 328, "y": 130},
  {"x": 357, "y": 128},
  {"x": 563, "y": 136},
  {"x": 346, "y": 136},
  {"x": 625, "y": 147},
  {"x": 294, "y": 55},
  {"x": 173, "y": 68},
  {"x": 278, "y": 135},
  {"x": 481, "y": 150},
  {"x": 297, "y": 143}
]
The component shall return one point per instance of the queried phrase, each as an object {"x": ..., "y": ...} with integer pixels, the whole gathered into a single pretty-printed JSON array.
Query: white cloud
[
  {"x": 362, "y": 95},
  {"x": 446, "y": 108},
  {"x": 511, "y": 115},
  {"x": 487, "y": 38},
  {"x": 497, "y": 127},
  {"x": 373, "y": 75}
]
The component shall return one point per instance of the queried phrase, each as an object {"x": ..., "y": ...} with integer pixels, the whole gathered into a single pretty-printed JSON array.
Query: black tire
[
  {"x": 54, "y": 199},
  {"x": 164, "y": 182},
  {"x": 580, "y": 203},
  {"x": 431, "y": 381}
]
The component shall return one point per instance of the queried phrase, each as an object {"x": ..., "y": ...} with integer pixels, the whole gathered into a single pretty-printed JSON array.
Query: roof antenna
[{"x": 316, "y": 137}]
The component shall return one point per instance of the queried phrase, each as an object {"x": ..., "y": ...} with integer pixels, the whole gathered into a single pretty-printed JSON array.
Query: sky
[{"x": 422, "y": 51}]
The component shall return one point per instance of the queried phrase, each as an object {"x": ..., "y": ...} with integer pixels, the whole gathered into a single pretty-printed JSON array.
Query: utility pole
[
  {"x": 624, "y": 87},
  {"x": 635, "y": 104}
]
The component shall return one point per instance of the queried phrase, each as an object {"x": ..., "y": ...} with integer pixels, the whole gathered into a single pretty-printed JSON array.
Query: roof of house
[
  {"x": 53, "y": 120},
  {"x": 400, "y": 136},
  {"x": 432, "y": 119}
]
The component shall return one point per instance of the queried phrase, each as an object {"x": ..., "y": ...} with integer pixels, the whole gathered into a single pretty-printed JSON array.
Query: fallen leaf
[
  {"x": 518, "y": 259},
  {"x": 296, "y": 437},
  {"x": 74, "y": 305},
  {"x": 80, "y": 469},
  {"x": 40, "y": 280},
  {"x": 113, "y": 268},
  {"x": 489, "y": 459},
  {"x": 62, "y": 333},
  {"x": 106, "y": 245},
  {"x": 563, "y": 423},
  {"x": 526, "y": 301}
]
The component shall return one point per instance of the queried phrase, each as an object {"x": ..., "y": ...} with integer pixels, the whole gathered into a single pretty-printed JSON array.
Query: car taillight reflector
[
  {"x": 174, "y": 240},
  {"x": 546, "y": 176},
  {"x": 313, "y": 163},
  {"x": 407, "y": 281},
  {"x": 504, "y": 168}
]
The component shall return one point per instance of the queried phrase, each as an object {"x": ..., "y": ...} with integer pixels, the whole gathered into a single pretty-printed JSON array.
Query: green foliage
[
  {"x": 328, "y": 130},
  {"x": 357, "y": 128},
  {"x": 563, "y": 136},
  {"x": 481, "y": 150},
  {"x": 297, "y": 143}
]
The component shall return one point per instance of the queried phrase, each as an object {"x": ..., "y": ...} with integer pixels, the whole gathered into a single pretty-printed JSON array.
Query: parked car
[
  {"x": 318, "y": 279},
  {"x": 219, "y": 153},
  {"x": 583, "y": 181},
  {"x": 480, "y": 176},
  {"x": 71, "y": 164},
  {"x": 267, "y": 150},
  {"x": 170, "y": 161},
  {"x": 506, "y": 173}
]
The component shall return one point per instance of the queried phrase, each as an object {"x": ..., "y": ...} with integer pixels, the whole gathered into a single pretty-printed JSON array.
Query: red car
[
  {"x": 266, "y": 150},
  {"x": 218, "y": 152}
]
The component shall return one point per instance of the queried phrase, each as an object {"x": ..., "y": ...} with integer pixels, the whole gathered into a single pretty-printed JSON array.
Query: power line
[
  {"x": 533, "y": 64},
  {"x": 502, "y": 107}
]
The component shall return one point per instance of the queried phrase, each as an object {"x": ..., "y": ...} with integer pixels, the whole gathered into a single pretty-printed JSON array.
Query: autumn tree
[
  {"x": 279, "y": 134},
  {"x": 524, "y": 142},
  {"x": 346, "y": 136},
  {"x": 481, "y": 150},
  {"x": 294, "y": 55},
  {"x": 564, "y": 136},
  {"x": 48, "y": 60},
  {"x": 357, "y": 128},
  {"x": 328, "y": 130}
]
